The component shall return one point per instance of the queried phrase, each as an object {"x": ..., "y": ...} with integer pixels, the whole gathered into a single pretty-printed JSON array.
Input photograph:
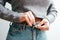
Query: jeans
[{"x": 23, "y": 32}]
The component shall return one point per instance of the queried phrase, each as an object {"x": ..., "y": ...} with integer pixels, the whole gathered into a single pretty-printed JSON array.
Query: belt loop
[{"x": 24, "y": 26}]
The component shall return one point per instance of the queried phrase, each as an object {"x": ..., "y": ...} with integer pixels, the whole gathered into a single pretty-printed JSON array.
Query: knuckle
[{"x": 25, "y": 15}]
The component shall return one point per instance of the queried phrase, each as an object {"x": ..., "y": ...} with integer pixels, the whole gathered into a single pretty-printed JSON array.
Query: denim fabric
[{"x": 16, "y": 32}]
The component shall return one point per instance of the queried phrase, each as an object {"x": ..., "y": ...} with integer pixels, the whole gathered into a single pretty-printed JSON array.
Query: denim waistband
[{"x": 20, "y": 26}]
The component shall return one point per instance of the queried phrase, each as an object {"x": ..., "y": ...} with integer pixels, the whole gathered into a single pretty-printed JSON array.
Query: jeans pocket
[{"x": 14, "y": 29}]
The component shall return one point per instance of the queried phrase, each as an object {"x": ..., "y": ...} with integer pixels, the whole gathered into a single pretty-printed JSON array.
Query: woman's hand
[
  {"x": 43, "y": 24},
  {"x": 28, "y": 17}
]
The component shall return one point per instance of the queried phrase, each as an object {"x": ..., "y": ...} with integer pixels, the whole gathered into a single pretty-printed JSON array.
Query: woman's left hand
[{"x": 43, "y": 25}]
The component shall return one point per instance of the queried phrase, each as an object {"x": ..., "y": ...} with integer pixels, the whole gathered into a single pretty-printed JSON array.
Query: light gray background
[{"x": 52, "y": 34}]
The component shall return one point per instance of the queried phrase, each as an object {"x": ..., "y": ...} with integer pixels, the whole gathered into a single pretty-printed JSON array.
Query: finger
[
  {"x": 46, "y": 24},
  {"x": 45, "y": 27},
  {"x": 42, "y": 22},
  {"x": 29, "y": 16},
  {"x": 32, "y": 16},
  {"x": 27, "y": 20},
  {"x": 39, "y": 27}
]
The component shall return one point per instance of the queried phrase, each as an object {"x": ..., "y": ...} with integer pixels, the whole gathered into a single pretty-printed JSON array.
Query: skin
[
  {"x": 29, "y": 18},
  {"x": 43, "y": 25}
]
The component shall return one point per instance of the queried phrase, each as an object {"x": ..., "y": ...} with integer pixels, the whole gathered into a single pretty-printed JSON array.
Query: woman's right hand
[{"x": 28, "y": 17}]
